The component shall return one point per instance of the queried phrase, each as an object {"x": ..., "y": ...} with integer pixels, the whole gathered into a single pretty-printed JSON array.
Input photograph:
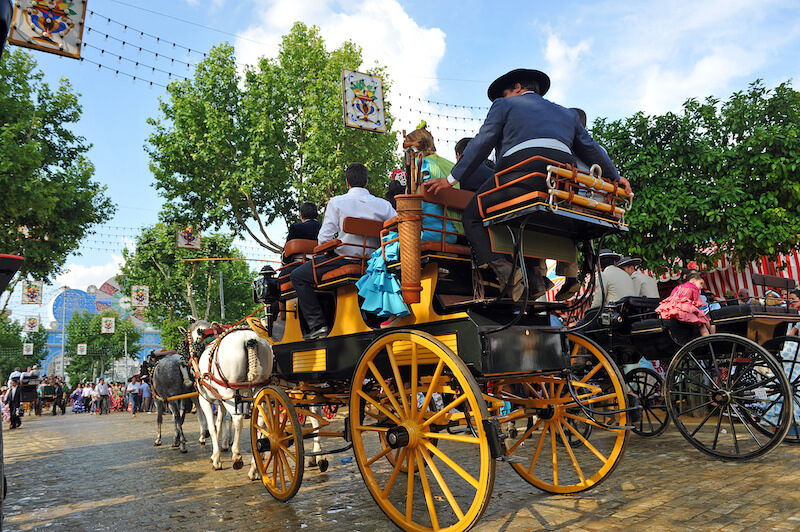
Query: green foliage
[
  {"x": 11, "y": 340},
  {"x": 717, "y": 178},
  {"x": 50, "y": 202},
  {"x": 179, "y": 288},
  {"x": 101, "y": 348},
  {"x": 230, "y": 149}
]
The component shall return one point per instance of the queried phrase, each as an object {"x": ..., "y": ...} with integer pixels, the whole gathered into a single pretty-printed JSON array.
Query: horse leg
[
  {"x": 216, "y": 463},
  {"x": 178, "y": 416},
  {"x": 201, "y": 418},
  {"x": 222, "y": 432},
  {"x": 238, "y": 421},
  {"x": 253, "y": 473},
  {"x": 312, "y": 461},
  {"x": 159, "y": 419}
]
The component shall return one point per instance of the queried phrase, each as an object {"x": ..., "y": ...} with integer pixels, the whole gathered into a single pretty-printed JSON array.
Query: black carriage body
[
  {"x": 536, "y": 344},
  {"x": 755, "y": 321}
]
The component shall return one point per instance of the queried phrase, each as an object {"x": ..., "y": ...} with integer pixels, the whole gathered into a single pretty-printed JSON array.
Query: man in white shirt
[
  {"x": 643, "y": 284},
  {"x": 135, "y": 395},
  {"x": 616, "y": 283},
  {"x": 16, "y": 374},
  {"x": 102, "y": 392},
  {"x": 357, "y": 203}
]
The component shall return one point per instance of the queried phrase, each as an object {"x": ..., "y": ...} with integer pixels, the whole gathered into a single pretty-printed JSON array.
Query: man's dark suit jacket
[
  {"x": 477, "y": 178},
  {"x": 14, "y": 402},
  {"x": 514, "y": 120},
  {"x": 307, "y": 230}
]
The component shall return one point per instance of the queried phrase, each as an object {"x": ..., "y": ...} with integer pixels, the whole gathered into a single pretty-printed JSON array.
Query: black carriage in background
[{"x": 730, "y": 394}]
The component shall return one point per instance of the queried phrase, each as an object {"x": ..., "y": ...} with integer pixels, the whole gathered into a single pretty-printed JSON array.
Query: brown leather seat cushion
[
  {"x": 438, "y": 246},
  {"x": 344, "y": 271}
]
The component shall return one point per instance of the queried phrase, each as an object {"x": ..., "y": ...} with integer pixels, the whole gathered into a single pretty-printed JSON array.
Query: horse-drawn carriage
[
  {"x": 426, "y": 400},
  {"x": 730, "y": 394}
]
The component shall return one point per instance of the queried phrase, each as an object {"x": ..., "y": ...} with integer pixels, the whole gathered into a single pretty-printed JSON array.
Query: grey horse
[{"x": 170, "y": 378}]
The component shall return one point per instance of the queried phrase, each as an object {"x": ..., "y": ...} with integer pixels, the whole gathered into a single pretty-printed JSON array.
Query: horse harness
[{"x": 213, "y": 337}]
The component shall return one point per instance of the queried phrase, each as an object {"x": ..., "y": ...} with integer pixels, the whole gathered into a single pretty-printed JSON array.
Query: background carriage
[
  {"x": 428, "y": 399},
  {"x": 730, "y": 394}
]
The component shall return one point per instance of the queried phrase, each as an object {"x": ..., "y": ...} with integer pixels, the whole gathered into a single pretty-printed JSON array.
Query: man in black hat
[
  {"x": 521, "y": 124},
  {"x": 616, "y": 282},
  {"x": 643, "y": 284}
]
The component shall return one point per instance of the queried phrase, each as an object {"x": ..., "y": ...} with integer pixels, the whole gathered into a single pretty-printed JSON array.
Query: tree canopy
[
  {"x": 720, "y": 177},
  {"x": 242, "y": 150},
  {"x": 101, "y": 348},
  {"x": 11, "y": 340},
  {"x": 180, "y": 288},
  {"x": 50, "y": 202}
]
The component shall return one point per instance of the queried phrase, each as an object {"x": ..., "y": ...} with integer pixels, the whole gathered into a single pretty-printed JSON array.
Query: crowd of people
[{"x": 96, "y": 398}]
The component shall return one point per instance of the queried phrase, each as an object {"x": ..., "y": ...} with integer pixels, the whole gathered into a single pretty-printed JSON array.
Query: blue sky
[{"x": 612, "y": 58}]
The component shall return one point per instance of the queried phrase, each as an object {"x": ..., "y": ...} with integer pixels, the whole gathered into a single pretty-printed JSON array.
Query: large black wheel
[
  {"x": 787, "y": 350},
  {"x": 723, "y": 391},
  {"x": 648, "y": 386}
]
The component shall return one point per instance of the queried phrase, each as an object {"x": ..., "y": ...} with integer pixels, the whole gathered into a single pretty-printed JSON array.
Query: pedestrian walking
[
  {"x": 135, "y": 395},
  {"x": 146, "y": 400},
  {"x": 13, "y": 401},
  {"x": 58, "y": 397},
  {"x": 103, "y": 393}
]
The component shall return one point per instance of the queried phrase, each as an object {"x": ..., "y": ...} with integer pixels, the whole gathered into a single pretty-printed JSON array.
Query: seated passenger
[
  {"x": 379, "y": 287},
  {"x": 793, "y": 300},
  {"x": 358, "y": 203},
  {"x": 482, "y": 173},
  {"x": 616, "y": 282},
  {"x": 308, "y": 226},
  {"x": 522, "y": 124},
  {"x": 643, "y": 284},
  {"x": 684, "y": 304}
]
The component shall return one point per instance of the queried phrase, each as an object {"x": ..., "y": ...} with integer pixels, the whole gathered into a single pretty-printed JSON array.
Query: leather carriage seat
[
  {"x": 449, "y": 198},
  {"x": 295, "y": 253},
  {"x": 350, "y": 273}
]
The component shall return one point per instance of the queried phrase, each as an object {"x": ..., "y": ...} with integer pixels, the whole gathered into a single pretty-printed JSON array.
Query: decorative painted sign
[
  {"x": 32, "y": 292},
  {"x": 188, "y": 238},
  {"x": 81, "y": 349},
  {"x": 108, "y": 326},
  {"x": 362, "y": 99},
  {"x": 27, "y": 349},
  {"x": 31, "y": 324},
  {"x": 140, "y": 296},
  {"x": 54, "y": 26}
]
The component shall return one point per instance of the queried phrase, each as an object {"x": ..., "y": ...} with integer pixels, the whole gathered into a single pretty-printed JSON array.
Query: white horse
[{"x": 232, "y": 362}]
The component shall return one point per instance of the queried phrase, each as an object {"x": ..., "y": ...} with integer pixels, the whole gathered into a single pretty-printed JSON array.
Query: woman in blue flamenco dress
[
  {"x": 77, "y": 398},
  {"x": 381, "y": 288}
]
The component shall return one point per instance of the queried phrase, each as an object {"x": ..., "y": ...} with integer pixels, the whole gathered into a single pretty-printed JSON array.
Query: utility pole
[
  {"x": 63, "y": 329},
  {"x": 221, "y": 298}
]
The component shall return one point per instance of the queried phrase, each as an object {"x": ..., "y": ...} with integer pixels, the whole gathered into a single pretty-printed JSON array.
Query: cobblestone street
[{"x": 82, "y": 472}]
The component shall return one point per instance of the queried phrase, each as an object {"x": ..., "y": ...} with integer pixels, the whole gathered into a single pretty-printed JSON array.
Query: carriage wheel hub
[
  {"x": 264, "y": 445},
  {"x": 721, "y": 397},
  {"x": 402, "y": 435}
]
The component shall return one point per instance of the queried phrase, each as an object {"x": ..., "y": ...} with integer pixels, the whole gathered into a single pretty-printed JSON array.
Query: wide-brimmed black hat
[
  {"x": 628, "y": 261},
  {"x": 608, "y": 253},
  {"x": 520, "y": 74}
]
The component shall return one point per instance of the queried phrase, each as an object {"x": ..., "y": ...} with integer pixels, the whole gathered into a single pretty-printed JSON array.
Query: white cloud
[
  {"x": 562, "y": 64},
  {"x": 386, "y": 34},
  {"x": 80, "y": 277}
]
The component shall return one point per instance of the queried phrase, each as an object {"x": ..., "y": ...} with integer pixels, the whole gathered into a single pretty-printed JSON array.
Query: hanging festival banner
[
  {"x": 188, "y": 238},
  {"x": 31, "y": 324},
  {"x": 27, "y": 349},
  {"x": 81, "y": 349},
  {"x": 108, "y": 326},
  {"x": 362, "y": 99},
  {"x": 32, "y": 292},
  {"x": 140, "y": 296},
  {"x": 54, "y": 26}
]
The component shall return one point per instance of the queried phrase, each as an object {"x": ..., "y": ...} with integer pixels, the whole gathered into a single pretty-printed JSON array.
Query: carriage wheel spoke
[
  {"x": 591, "y": 374},
  {"x": 395, "y": 471},
  {"x": 525, "y": 436},
  {"x": 389, "y": 395},
  {"x": 429, "y": 394},
  {"x": 380, "y": 407},
  {"x": 451, "y": 464},
  {"x": 741, "y": 373},
  {"x": 746, "y": 424},
  {"x": 708, "y": 416},
  {"x": 555, "y": 454},
  {"x": 539, "y": 446},
  {"x": 568, "y": 447},
  {"x": 426, "y": 489},
  {"x": 583, "y": 440},
  {"x": 399, "y": 384},
  {"x": 410, "y": 486},
  {"x": 442, "y": 483},
  {"x": 414, "y": 380},
  {"x": 451, "y": 437},
  {"x": 703, "y": 369},
  {"x": 381, "y": 454},
  {"x": 733, "y": 431},
  {"x": 446, "y": 410}
]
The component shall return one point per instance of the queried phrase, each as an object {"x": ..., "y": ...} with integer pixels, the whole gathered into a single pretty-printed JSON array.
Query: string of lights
[
  {"x": 140, "y": 49},
  {"x": 117, "y": 72},
  {"x": 136, "y": 64}
]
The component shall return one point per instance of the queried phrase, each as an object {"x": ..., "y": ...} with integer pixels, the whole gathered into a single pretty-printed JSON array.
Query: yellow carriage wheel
[
  {"x": 439, "y": 472},
  {"x": 565, "y": 449},
  {"x": 277, "y": 442}
]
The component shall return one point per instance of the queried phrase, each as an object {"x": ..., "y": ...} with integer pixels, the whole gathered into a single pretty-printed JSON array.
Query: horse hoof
[
  {"x": 158, "y": 443},
  {"x": 184, "y": 450},
  {"x": 238, "y": 464},
  {"x": 201, "y": 443},
  {"x": 323, "y": 465}
]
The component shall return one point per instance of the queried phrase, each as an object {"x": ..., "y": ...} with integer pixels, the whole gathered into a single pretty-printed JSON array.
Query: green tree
[
  {"x": 50, "y": 202},
  {"x": 241, "y": 151},
  {"x": 102, "y": 349},
  {"x": 716, "y": 178},
  {"x": 180, "y": 288},
  {"x": 11, "y": 340}
]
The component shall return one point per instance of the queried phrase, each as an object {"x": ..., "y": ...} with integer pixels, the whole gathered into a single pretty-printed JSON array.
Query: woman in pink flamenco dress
[{"x": 684, "y": 304}]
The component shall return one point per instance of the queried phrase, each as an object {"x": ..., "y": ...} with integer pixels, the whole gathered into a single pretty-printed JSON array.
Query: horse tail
[{"x": 252, "y": 359}]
